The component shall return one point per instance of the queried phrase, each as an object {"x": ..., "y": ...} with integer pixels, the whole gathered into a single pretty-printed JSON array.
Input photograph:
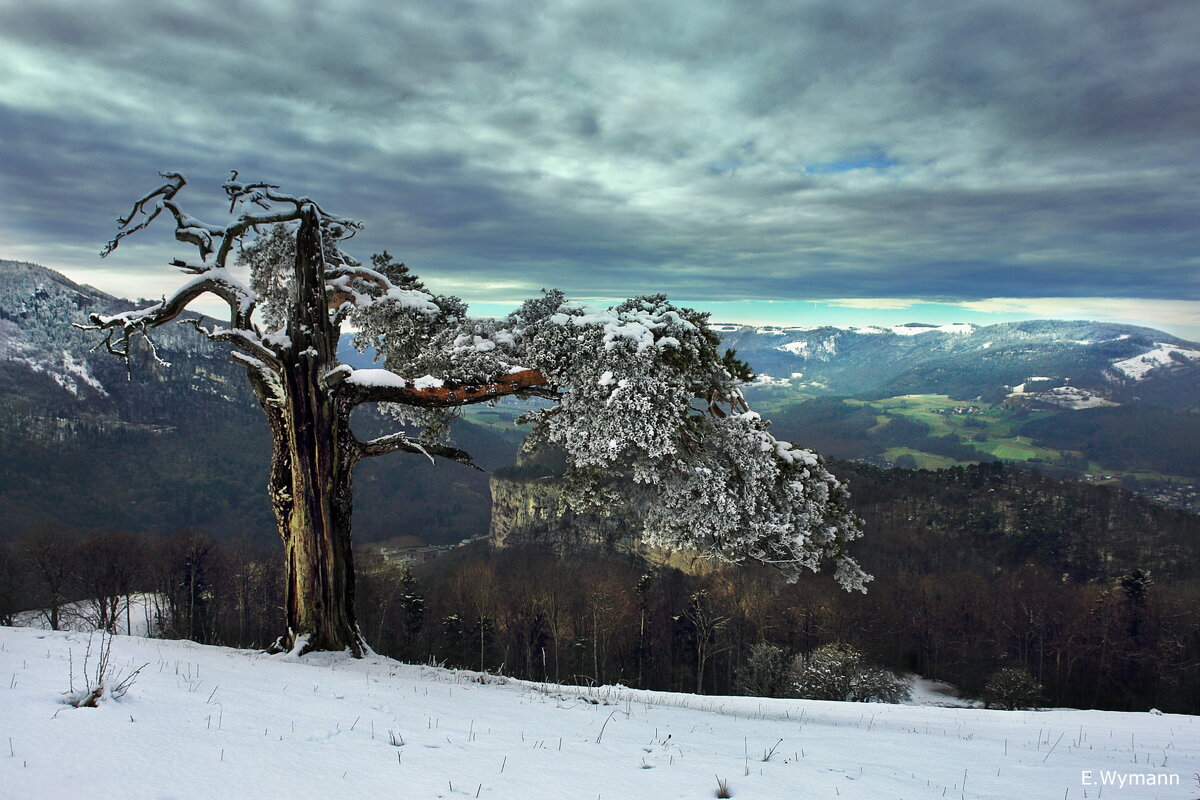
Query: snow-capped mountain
[
  {"x": 51, "y": 367},
  {"x": 89, "y": 444},
  {"x": 1070, "y": 363}
]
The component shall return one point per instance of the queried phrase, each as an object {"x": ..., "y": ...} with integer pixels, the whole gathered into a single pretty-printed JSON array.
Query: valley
[
  {"x": 1096, "y": 402},
  {"x": 936, "y": 432}
]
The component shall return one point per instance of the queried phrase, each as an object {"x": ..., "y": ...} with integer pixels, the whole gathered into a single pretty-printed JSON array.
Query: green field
[
  {"x": 991, "y": 430},
  {"x": 987, "y": 428},
  {"x": 1018, "y": 449},
  {"x": 924, "y": 460}
]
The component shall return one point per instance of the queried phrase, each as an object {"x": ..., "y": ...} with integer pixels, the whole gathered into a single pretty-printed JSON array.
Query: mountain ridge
[
  {"x": 90, "y": 442},
  {"x": 1115, "y": 362}
]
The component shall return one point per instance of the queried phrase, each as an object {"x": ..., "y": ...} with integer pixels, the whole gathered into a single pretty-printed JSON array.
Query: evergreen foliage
[{"x": 1012, "y": 688}]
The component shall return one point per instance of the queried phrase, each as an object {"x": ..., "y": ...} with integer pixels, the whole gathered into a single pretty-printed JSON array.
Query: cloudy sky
[{"x": 798, "y": 162}]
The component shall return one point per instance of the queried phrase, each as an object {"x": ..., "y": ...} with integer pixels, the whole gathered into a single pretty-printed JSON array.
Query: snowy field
[{"x": 205, "y": 722}]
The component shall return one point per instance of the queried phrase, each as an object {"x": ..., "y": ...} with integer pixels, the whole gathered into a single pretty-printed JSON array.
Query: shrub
[
  {"x": 101, "y": 680},
  {"x": 1012, "y": 688},
  {"x": 838, "y": 671},
  {"x": 765, "y": 673}
]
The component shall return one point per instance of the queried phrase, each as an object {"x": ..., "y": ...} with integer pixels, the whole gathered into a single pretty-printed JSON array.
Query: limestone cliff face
[
  {"x": 531, "y": 512},
  {"x": 528, "y": 510}
]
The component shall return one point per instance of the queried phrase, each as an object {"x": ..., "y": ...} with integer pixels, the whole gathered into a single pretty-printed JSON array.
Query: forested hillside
[
  {"x": 1091, "y": 588},
  {"x": 177, "y": 441}
]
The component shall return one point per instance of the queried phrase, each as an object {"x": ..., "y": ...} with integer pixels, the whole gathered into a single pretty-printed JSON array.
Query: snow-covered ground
[
  {"x": 1072, "y": 397},
  {"x": 214, "y": 722},
  {"x": 928, "y": 692},
  {"x": 1138, "y": 367}
]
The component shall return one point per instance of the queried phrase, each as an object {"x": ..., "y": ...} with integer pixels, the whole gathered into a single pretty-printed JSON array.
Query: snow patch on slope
[
  {"x": 1074, "y": 398},
  {"x": 822, "y": 349},
  {"x": 69, "y": 374},
  {"x": 1065, "y": 396},
  {"x": 1138, "y": 367},
  {"x": 79, "y": 369},
  {"x": 917, "y": 329}
]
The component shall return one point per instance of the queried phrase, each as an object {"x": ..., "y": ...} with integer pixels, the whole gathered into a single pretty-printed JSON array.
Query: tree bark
[
  {"x": 313, "y": 460},
  {"x": 312, "y": 496}
]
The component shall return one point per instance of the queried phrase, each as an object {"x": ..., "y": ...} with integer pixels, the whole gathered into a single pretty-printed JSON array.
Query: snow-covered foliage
[
  {"x": 648, "y": 401},
  {"x": 651, "y": 398},
  {"x": 270, "y": 259},
  {"x": 840, "y": 672}
]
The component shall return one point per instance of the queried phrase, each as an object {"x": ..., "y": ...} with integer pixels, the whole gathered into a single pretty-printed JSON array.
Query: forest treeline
[
  {"x": 1093, "y": 590},
  {"x": 1131, "y": 642},
  {"x": 991, "y": 517}
]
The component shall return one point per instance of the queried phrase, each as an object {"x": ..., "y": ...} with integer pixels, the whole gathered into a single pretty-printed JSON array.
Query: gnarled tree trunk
[
  {"x": 313, "y": 457},
  {"x": 306, "y": 395}
]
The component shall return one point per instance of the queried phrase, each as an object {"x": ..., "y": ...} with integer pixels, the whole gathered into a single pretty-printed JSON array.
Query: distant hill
[
  {"x": 86, "y": 444},
  {"x": 1059, "y": 363},
  {"x": 1097, "y": 401}
]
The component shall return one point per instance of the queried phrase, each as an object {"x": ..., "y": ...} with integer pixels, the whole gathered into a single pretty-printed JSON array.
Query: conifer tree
[{"x": 641, "y": 396}]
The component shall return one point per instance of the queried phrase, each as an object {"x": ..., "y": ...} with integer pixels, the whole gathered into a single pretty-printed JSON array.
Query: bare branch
[
  {"x": 127, "y": 332},
  {"x": 400, "y": 442},
  {"x": 246, "y": 341},
  {"x": 264, "y": 195},
  {"x": 218, "y": 282},
  {"x": 168, "y": 190},
  {"x": 218, "y": 238}
]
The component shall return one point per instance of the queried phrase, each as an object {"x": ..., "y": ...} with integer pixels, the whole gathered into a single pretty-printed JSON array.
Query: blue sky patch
[{"x": 873, "y": 158}]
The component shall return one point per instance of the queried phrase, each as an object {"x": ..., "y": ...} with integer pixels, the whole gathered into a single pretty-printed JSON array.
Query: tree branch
[
  {"x": 166, "y": 192},
  {"x": 241, "y": 339},
  {"x": 263, "y": 195},
  {"x": 401, "y": 442},
  {"x": 203, "y": 235},
  {"x": 381, "y": 386},
  {"x": 218, "y": 282}
]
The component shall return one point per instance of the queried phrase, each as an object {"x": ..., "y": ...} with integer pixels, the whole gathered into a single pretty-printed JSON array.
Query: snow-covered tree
[
  {"x": 838, "y": 671},
  {"x": 642, "y": 397}
]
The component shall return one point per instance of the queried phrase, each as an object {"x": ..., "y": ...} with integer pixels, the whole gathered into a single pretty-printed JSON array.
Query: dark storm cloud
[{"x": 760, "y": 149}]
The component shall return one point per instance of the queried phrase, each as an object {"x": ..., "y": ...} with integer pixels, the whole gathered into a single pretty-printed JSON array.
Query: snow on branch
[
  {"x": 123, "y": 326},
  {"x": 384, "y": 386},
  {"x": 403, "y": 443},
  {"x": 362, "y": 286}
]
